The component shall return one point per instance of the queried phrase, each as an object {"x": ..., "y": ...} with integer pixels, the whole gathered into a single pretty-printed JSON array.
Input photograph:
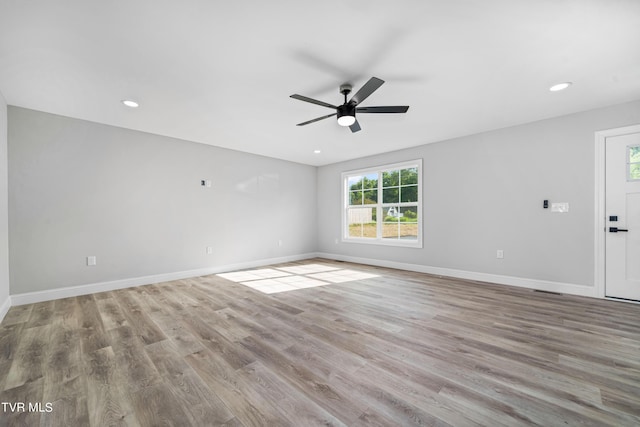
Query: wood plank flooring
[{"x": 394, "y": 349}]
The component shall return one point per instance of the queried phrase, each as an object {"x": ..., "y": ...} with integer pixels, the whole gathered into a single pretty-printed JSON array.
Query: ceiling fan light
[
  {"x": 346, "y": 120},
  {"x": 346, "y": 114}
]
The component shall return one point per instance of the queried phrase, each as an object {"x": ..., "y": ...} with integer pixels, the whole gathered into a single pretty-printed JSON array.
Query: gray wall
[
  {"x": 4, "y": 211},
  {"x": 484, "y": 192},
  {"x": 134, "y": 200}
]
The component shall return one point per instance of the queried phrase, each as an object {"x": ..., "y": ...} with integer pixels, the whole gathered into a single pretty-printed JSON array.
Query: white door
[{"x": 622, "y": 194}]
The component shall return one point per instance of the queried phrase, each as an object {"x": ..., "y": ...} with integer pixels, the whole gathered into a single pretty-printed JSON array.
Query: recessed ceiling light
[
  {"x": 560, "y": 86},
  {"x": 130, "y": 103},
  {"x": 317, "y": 151}
]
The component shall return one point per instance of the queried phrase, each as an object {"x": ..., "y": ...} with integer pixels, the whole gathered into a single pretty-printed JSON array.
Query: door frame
[{"x": 600, "y": 199}]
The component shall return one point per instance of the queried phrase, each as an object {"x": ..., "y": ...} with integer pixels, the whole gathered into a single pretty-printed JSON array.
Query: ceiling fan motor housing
[{"x": 346, "y": 110}]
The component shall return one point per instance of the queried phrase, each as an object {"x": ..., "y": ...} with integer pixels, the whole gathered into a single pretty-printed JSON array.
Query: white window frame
[
  {"x": 417, "y": 243},
  {"x": 629, "y": 147}
]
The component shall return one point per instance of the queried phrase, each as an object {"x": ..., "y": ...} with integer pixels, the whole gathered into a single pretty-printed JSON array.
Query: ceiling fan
[{"x": 347, "y": 112}]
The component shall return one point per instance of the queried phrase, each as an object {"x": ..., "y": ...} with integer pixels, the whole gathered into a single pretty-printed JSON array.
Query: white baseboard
[
  {"x": 542, "y": 285},
  {"x": 73, "y": 291},
  {"x": 4, "y": 307}
]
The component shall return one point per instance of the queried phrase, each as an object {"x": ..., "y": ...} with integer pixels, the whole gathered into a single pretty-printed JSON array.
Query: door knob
[{"x": 617, "y": 230}]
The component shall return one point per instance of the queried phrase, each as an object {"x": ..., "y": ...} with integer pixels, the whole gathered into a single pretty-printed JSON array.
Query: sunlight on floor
[{"x": 282, "y": 279}]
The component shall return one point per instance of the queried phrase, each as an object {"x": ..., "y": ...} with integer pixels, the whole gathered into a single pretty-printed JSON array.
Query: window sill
[{"x": 417, "y": 244}]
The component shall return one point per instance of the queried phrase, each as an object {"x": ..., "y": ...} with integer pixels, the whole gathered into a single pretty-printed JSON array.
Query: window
[
  {"x": 633, "y": 163},
  {"x": 382, "y": 205}
]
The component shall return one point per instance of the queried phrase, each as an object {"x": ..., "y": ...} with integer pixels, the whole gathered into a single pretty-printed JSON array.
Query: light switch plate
[{"x": 560, "y": 207}]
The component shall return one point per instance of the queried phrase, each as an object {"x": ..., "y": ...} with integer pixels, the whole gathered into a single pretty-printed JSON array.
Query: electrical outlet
[
  {"x": 209, "y": 250},
  {"x": 500, "y": 254},
  {"x": 91, "y": 261}
]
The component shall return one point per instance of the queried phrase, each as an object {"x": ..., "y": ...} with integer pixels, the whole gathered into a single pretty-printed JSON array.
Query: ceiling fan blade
[
  {"x": 390, "y": 109},
  {"x": 369, "y": 87},
  {"x": 313, "y": 101},
  {"x": 355, "y": 127},
  {"x": 316, "y": 120}
]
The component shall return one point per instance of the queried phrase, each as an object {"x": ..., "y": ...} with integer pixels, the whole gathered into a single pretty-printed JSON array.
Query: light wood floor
[{"x": 397, "y": 349}]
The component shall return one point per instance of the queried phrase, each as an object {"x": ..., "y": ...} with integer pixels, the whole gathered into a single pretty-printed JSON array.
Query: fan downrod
[{"x": 345, "y": 89}]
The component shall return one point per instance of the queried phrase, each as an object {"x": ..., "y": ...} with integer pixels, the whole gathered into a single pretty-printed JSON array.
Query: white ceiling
[{"x": 221, "y": 73}]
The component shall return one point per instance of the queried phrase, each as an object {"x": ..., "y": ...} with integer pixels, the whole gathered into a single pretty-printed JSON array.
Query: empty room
[{"x": 345, "y": 213}]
